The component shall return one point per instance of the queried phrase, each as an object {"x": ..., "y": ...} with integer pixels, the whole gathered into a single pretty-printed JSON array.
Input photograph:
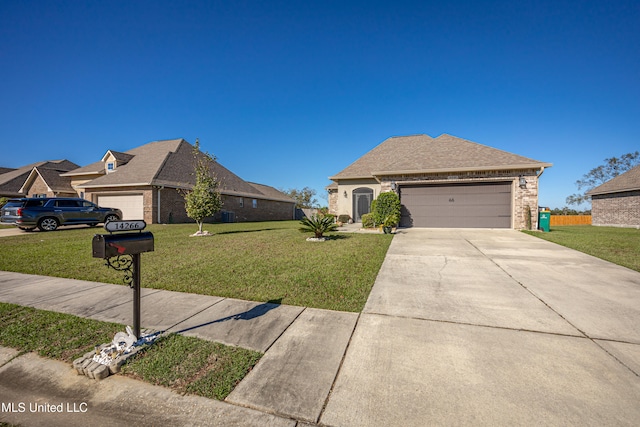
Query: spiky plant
[{"x": 318, "y": 225}]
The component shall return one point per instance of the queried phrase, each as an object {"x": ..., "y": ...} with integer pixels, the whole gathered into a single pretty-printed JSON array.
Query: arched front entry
[{"x": 362, "y": 198}]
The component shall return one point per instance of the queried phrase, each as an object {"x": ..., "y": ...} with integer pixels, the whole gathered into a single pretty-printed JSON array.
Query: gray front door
[{"x": 362, "y": 198}]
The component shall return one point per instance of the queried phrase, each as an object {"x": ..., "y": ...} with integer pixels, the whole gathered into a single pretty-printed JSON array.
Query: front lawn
[
  {"x": 618, "y": 245},
  {"x": 262, "y": 261}
]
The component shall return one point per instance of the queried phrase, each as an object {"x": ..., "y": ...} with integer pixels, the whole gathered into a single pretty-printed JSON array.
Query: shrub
[
  {"x": 344, "y": 218},
  {"x": 386, "y": 209},
  {"x": 318, "y": 225},
  {"x": 367, "y": 221}
]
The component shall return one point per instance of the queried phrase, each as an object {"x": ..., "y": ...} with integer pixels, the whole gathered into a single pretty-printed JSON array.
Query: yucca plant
[{"x": 318, "y": 225}]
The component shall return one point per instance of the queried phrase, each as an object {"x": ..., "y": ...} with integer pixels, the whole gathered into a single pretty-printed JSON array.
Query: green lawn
[
  {"x": 618, "y": 245},
  {"x": 262, "y": 261},
  {"x": 185, "y": 364}
]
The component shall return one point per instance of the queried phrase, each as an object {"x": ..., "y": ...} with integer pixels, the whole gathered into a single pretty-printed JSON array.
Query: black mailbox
[{"x": 111, "y": 245}]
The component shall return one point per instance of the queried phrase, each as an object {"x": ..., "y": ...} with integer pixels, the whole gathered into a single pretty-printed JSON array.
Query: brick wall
[
  {"x": 616, "y": 209},
  {"x": 39, "y": 187},
  {"x": 264, "y": 210},
  {"x": 173, "y": 211}
]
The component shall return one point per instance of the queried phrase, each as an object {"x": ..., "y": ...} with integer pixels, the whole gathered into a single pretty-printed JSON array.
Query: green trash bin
[{"x": 544, "y": 220}]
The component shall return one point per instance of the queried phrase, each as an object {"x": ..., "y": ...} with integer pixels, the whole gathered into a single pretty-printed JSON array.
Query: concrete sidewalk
[
  {"x": 304, "y": 349},
  {"x": 463, "y": 327}
]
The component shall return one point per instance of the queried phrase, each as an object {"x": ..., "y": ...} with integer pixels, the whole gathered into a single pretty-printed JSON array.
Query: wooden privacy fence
[{"x": 570, "y": 220}]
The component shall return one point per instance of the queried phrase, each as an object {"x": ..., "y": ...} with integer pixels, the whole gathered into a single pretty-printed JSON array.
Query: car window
[
  {"x": 66, "y": 203},
  {"x": 13, "y": 204},
  {"x": 34, "y": 203},
  {"x": 86, "y": 204}
]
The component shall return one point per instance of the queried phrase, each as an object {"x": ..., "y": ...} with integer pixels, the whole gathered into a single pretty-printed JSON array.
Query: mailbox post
[{"x": 121, "y": 249}]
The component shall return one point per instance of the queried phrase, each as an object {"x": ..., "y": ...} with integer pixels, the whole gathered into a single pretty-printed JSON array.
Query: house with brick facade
[
  {"x": 443, "y": 182},
  {"x": 41, "y": 179},
  {"x": 617, "y": 202},
  {"x": 147, "y": 183}
]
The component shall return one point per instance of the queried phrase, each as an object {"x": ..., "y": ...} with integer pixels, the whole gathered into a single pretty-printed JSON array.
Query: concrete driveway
[{"x": 492, "y": 327}]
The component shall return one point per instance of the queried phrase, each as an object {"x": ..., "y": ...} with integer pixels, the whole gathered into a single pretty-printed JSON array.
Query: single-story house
[
  {"x": 442, "y": 182},
  {"x": 41, "y": 179},
  {"x": 617, "y": 201},
  {"x": 147, "y": 183}
]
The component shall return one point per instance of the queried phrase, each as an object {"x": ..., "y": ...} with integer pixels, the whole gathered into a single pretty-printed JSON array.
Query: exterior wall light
[
  {"x": 523, "y": 182},
  {"x": 345, "y": 194},
  {"x": 394, "y": 186}
]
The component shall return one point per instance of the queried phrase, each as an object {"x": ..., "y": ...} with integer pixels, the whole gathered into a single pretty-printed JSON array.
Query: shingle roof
[
  {"x": 54, "y": 181},
  {"x": 272, "y": 193},
  {"x": 628, "y": 181},
  {"x": 167, "y": 163},
  {"x": 11, "y": 182},
  {"x": 422, "y": 154}
]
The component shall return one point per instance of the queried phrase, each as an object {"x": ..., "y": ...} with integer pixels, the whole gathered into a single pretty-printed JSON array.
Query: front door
[{"x": 362, "y": 198}]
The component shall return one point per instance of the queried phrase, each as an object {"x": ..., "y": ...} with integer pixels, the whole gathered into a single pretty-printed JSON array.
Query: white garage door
[{"x": 132, "y": 206}]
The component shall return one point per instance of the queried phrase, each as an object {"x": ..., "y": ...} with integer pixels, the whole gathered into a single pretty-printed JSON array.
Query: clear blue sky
[{"x": 287, "y": 93}]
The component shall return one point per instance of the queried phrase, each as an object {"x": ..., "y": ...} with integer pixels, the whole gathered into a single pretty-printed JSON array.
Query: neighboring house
[
  {"x": 442, "y": 182},
  {"x": 146, "y": 183},
  {"x": 617, "y": 201},
  {"x": 45, "y": 180}
]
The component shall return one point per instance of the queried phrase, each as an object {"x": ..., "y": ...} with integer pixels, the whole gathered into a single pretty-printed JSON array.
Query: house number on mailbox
[{"x": 451, "y": 200}]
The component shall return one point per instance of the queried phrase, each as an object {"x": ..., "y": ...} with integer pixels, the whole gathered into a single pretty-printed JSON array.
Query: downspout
[{"x": 159, "y": 205}]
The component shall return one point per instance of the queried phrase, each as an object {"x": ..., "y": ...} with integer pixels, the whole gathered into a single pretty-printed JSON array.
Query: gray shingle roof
[
  {"x": 12, "y": 181},
  {"x": 54, "y": 181},
  {"x": 272, "y": 193},
  {"x": 628, "y": 181},
  {"x": 422, "y": 154},
  {"x": 167, "y": 163}
]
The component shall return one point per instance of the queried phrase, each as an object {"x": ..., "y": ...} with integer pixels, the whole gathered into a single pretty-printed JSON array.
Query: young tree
[
  {"x": 612, "y": 167},
  {"x": 304, "y": 198},
  {"x": 204, "y": 199}
]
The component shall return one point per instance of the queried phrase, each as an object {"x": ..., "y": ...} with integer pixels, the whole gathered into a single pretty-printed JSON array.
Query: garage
[
  {"x": 465, "y": 205},
  {"x": 132, "y": 205}
]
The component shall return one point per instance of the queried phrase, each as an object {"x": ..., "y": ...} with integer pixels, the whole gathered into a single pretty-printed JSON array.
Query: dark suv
[{"x": 49, "y": 213}]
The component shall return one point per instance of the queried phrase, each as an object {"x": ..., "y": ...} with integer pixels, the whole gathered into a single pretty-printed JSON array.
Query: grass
[
  {"x": 253, "y": 261},
  {"x": 191, "y": 365},
  {"x": 54, "y": 335},
  {"x": 618, "y": 245},
  {"x": 185, "y": 364}
]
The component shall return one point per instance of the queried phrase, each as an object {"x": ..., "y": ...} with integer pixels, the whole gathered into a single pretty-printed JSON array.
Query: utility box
[
  {"x": 112, "y": 245},
  {"x": 544, "y": 221}
]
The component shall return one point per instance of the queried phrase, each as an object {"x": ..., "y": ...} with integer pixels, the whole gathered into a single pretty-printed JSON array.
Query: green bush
[
  {"x": 367, "y": 221},
  {"x": 386, "y": 209},
  {"x": 317, "y": 225},
  {"x": 3, "y": 201},
  {"x": 344, "y": 219}
]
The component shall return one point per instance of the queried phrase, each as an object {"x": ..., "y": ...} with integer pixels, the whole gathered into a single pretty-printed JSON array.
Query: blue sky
[{"x": 287, "y": 93}]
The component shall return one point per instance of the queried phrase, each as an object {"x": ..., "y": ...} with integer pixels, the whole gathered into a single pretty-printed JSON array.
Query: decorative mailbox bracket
[{"x": 121, "y": 251}]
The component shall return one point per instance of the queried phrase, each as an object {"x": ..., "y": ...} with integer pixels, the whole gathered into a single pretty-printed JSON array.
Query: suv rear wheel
[{"x": 48, "y": 224}]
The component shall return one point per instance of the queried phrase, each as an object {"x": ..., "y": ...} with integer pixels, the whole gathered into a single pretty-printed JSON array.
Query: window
[
  {"x": 255, "y": 203},
  {"x": 111, "y": 167},
  {"x": 241, "y": 202},
  {"x": 66, "y": 204}
]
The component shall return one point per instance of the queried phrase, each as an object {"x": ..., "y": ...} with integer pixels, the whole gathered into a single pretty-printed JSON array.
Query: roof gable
[
  {"x": 424, "y": 154},
  {"x": 628, "y": 181},
  {"x": 13, "y": 181},
  {"x": 52, "y": 179}
]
